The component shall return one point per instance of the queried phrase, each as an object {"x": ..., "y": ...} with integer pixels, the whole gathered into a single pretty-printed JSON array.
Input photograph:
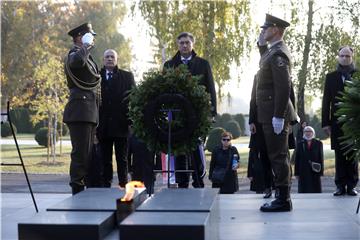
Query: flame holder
[{"x": 125, "y": 208}]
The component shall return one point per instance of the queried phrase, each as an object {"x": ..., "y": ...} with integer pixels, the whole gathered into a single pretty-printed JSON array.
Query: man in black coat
[
  {"x": 197, "y": 67},
  {"x": 346, "y": 170},
  {"x": 114, "y": 122},
  {"x": 81, "y": 111}
]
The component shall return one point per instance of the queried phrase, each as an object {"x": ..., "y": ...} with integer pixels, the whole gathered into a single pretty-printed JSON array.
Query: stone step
[{"x": 66, "y": 225}]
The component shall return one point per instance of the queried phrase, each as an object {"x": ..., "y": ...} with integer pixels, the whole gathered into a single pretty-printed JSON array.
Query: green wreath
[
  {"x": 171, "y": 89},
  {"x": 349, "y": 115}
]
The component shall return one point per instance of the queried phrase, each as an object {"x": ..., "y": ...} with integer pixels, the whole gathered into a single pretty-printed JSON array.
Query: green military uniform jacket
[
  {"x": 83, "y": 80},
  {"x": 274, "y": 85}
]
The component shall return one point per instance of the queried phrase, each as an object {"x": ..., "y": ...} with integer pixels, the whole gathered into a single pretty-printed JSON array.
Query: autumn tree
[
  {"x": 34, "y": 42},
  {"x": 221, "y": 29}
]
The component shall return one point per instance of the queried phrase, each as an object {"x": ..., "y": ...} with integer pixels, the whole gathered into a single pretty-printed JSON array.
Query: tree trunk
[
  {"x": 302, "y": 76},
  {"x": 53, "y": 146},
  {"x": 208, "y": 28},
  {"x": 48, "y": 140}
]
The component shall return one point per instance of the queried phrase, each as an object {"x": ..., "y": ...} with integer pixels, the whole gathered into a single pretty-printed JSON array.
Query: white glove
[
  {"x": 261, "y": 39},
  {"x": 88, "y": 38},
  {"x": 278, "y": 124}
]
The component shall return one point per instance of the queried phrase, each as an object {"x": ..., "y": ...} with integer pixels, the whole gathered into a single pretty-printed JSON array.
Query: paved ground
[
  {"x": 315, "y": 216},
  {"x": 58, "y": 183}
]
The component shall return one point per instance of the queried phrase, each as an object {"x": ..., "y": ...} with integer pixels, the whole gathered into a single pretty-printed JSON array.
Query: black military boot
[
  {"x": 281, "y": 204},
  {"x": 76, "y": 189},
  {"x": 267, "y": 193}
]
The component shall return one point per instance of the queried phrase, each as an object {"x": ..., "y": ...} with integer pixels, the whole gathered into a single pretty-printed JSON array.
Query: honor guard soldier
[
  {"x": 81, "y": 111},
  {"x": 275, "y": 110}
]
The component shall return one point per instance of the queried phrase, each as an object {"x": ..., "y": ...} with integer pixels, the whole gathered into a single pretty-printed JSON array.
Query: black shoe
[
  {"x": 268, "y": 193},
  {"x": 352, "y": 191},
  {"x": 76, "y": 189},
  {"x": 277, "y": 205},
  {"x": 339, "y": 191}
]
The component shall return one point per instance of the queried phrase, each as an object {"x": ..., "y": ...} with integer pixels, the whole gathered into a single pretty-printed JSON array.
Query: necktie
[
  {"x": 185, "y": 61},
  {"x": 109, "y": 75}
]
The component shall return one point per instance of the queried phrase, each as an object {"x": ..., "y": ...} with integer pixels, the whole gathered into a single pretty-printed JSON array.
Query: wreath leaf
[{"x": 178, "y": 81}]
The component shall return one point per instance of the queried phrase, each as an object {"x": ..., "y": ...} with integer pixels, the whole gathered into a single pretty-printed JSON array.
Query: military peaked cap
[
  {"x": 271, "y": 21},
  {"x": 81, "y": 30}
]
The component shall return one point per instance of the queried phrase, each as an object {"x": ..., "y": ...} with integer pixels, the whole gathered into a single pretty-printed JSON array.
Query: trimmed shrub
[
  {"x": 214, "y": 138},
  {"x": 316, "y": 124},
  {"x": 41, "y": 124},
  {"x": 21, "y": 118},
  {"x": 241, "y": 121},
  {"x": 6, "y": 129},
  {"x": 221, "y": 120},
  {"x": 233, "y": 127},
  {"x": 41, "y": 137}
]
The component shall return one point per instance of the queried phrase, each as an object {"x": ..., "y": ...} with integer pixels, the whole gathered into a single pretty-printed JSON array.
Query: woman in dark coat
[
  {"x": 309, "y": 150},
  {"x": 225, "y": 157}
]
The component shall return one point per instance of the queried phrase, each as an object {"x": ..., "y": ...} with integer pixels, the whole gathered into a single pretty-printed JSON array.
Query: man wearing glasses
[
  {"x": 197, "y": 66},
  {"x": 346, "y": 170},
  {"x": 275, "y": 110}
]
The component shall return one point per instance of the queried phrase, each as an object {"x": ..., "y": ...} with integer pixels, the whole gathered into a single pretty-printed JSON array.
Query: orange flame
[{"x": 130, "y": 190}]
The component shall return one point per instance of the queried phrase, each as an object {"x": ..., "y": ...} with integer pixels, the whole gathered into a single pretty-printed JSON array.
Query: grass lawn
[{"x": 35, "y": 158}]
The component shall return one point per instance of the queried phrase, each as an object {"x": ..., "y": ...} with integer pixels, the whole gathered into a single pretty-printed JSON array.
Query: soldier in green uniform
[
  {"x": 81, "y": 111},
  {"x": 275, "y": 110}
]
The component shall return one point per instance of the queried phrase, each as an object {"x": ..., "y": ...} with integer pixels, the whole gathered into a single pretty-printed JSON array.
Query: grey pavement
[
  {"x": 315, "y": 216},
  {"x": 59, "y": 183}
]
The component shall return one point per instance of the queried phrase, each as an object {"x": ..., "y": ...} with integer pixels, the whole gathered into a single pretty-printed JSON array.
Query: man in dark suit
[
  {"x": 81, "y": 111},
  {"x": 275, "y": 110},
  {"x": 346, "y": 170},
  {"x": 114, "y": 122},
  {"x": 197, "y": 67}
]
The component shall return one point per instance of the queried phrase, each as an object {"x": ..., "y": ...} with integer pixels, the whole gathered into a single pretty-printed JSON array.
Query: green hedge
[
  {"x": 214, "y": 138},
  {"x": 6, "y": 129},
  {"x": 41, "y": 137},
  {"x": 233, "y": 127},
  {"x": 20, "y": 117}
]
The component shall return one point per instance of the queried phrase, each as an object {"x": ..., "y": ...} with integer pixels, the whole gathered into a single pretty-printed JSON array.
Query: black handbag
[
  {"x": 316, "y": 167},
  {"x": 218, "y": 174}
]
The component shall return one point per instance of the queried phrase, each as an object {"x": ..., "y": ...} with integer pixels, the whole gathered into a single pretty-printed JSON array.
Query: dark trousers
[
  {"x": 82, "y": 138},
  {"x": 141, "y": 163},
  {"x": 346, "y": 171},
  {"x": 120, "y": 144},
  {"x": 278, "y": 153},
  {"x": 268, "y": 174},
  {"x": 189, "y": 162}
]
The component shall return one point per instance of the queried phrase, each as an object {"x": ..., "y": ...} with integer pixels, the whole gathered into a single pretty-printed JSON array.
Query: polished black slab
[
  {"x": 182, "y": 200},
  {"x": 59, "y": 225},
  {"x": 166, "y": 225},
  {"x": 175, "y": 214},
  {"x": 95, "y": 199}
]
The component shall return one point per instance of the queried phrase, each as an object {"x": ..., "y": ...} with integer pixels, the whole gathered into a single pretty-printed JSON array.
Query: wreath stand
[
  {"x": 19, "y": 153},
  {"x": 168, "y": 171}
]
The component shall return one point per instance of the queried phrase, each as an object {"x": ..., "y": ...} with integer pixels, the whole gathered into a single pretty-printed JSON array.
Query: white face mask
[{"x": 345, "y": 57}]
